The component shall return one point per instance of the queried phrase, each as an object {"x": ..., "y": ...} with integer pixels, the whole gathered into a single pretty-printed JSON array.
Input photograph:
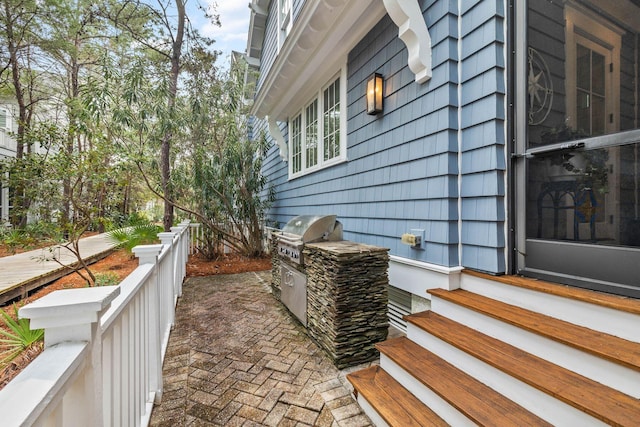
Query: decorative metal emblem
[{"x": 539, "y": 88}]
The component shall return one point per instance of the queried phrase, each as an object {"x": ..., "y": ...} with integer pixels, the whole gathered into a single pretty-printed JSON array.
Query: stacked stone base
[
  {"x": 347, "y": 299},
  {"x": 275, "y": 266}
]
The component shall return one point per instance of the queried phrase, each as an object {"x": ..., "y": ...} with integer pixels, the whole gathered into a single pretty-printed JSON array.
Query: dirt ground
[{"x": 122, "y": 264}]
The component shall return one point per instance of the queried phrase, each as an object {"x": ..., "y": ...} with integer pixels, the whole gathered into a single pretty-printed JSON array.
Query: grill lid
[{"x": 312, "y": 228}]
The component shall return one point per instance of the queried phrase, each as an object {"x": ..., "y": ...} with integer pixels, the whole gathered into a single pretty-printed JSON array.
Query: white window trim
[{"x": 340, "y": 158}]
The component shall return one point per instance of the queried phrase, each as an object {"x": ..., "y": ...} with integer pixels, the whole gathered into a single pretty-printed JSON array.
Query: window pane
[
  {"x": 597, "y": 115},
  {"x": 597, "y": 73},
  {"x": 296, "y": 144},
  {"x": 583, "y": 118},
  {"x": 311, "y": 138},
  {"x": 583, "y": 67},
  {"x": 331, "y": 119}
]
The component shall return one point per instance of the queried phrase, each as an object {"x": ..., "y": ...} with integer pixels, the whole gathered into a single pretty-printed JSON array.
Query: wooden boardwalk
[{"x": 23, "y": 272}]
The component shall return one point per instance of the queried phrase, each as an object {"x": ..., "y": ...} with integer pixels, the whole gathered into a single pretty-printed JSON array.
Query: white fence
[{"x": 104, "y": 347}]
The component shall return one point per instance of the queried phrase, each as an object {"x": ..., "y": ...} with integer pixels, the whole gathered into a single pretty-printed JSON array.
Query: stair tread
[
  {"x": 600, "y": 344},
  {"x": 600, "y": 401},
  {"x": 630, "y": 305},
  {"x": 396, "y": 405},
  {"x": 478, "y": 402}
]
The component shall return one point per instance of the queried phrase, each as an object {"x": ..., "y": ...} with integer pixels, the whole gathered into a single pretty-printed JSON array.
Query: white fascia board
[{"x": 317, "y": 47}]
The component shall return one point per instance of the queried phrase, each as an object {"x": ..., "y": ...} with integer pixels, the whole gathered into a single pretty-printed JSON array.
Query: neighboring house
[
  {"x": 507, "y": 143},
  {"x": 50, "y": 110},
  {"x": 7, "y": 149}
]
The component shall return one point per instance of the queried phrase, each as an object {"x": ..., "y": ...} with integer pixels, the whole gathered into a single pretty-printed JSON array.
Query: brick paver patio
[{"x": 237, "y": 358}]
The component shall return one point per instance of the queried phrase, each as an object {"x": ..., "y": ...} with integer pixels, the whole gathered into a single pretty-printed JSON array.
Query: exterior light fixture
[{"x": 374, "y": 94}]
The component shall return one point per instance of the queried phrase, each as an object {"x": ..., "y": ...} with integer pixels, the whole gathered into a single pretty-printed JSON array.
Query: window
[
  {"x": 311, "y": 134},
  {"x": 316, "y": 133},
  {"x": 590, "y": 90},
  {"x": 296, "y": 143},
  {"x": 284, "y": 20},
  {"x": 593, "y": 49},
  {"x": 5, "y": 120},
  {"x": 332, "y": 120}
]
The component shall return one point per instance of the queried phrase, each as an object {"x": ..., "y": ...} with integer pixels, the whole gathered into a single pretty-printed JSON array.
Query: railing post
[
  {"x": 166, "y": 238},
  {"x": 195, "y": 233},
  {"x": 178, "y": 259},
  {"x": 148, "y": 254},
  {"x": 74, "y": 315}
]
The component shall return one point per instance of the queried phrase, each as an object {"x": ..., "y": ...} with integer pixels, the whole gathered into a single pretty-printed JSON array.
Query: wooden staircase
[{"x": 508, "y": 351}]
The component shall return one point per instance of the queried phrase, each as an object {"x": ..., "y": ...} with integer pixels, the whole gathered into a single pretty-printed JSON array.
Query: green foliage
[
  {"x": 142, "y": 233},
  {"x": 33, "y": 235},
  {"x": 108, "y": 278},
  {"x": 17, "y": 336},
  {"x": 14, "y": 239},
  {"x": 219, "y": 172}
]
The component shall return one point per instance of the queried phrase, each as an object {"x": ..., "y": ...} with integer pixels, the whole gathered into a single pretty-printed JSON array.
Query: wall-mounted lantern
[{"x": 374, "y": 94}]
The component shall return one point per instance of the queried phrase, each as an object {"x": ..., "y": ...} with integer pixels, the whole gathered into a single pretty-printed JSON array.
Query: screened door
[{"x": 578, "y": 137}]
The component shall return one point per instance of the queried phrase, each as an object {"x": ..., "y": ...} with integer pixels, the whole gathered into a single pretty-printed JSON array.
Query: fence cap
[
  {"x": 147, "y": 254},
  {"x": 68, "y": 307},
  {"x": 166, "y": 237}
]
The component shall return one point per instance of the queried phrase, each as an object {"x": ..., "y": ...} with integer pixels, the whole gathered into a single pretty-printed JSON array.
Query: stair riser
[
  {"x": 598, "y": 318},
  {"x": 603, "y": 371},
  {"x": 539, "y": 403},
  {"x": 373, "y": 415},
  {"x": 447, "y": 412}
]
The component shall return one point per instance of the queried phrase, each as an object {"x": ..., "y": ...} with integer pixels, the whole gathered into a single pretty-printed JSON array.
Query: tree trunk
[
  {"x": 20, "y": 201},
  {"x": 165, "y": 150}
]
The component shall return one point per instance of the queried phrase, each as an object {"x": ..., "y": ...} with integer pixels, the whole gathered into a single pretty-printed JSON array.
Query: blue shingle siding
[
  {"x": 482, "y": 117},
  {"x": 407, "y": 166}
]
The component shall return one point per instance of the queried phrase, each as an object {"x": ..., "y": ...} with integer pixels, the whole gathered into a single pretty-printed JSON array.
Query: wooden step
[
  {"x": 629, "y": 305},
  {"x": 476, "y": 401},
  {"x": 595, "y": 399},
  {"x": 609, "y": 347},
  {"x": 394, "y": 403}
]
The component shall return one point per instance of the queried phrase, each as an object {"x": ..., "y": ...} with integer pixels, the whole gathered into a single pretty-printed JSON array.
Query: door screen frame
[{"x": 543, "y": 258}]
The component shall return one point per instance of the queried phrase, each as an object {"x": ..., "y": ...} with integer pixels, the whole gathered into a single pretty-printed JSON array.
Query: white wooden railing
[
  {"x": 104, "y": 347},
  {"x": 197, "y": 232}
]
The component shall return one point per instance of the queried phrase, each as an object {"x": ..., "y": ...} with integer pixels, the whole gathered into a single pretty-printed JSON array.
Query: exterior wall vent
[{"x": 399, "y": 305}]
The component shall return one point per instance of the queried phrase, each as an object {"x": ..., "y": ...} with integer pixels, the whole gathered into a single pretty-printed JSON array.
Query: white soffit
[{"x": 322, "y": 35}]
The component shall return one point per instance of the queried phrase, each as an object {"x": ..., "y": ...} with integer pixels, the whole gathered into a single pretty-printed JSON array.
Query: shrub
[
  {"x": 108, "y": 278},
  {"x": 130, "y": 237},
  {"x": 18, "y": 337}
]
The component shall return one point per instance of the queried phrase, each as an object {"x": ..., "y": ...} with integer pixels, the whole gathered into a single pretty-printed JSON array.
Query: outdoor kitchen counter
[
  {"x": 347, "y": 299},
  {"x": 347, "y": 248}
]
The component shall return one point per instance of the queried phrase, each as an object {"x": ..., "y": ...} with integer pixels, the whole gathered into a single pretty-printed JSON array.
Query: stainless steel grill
[
  {"x": 291, "y": 240},
  {"x": 306, "y": 229}
]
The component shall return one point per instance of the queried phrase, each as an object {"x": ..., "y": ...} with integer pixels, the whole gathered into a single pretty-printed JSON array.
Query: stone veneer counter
[{"x": 347, "y": 285}]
